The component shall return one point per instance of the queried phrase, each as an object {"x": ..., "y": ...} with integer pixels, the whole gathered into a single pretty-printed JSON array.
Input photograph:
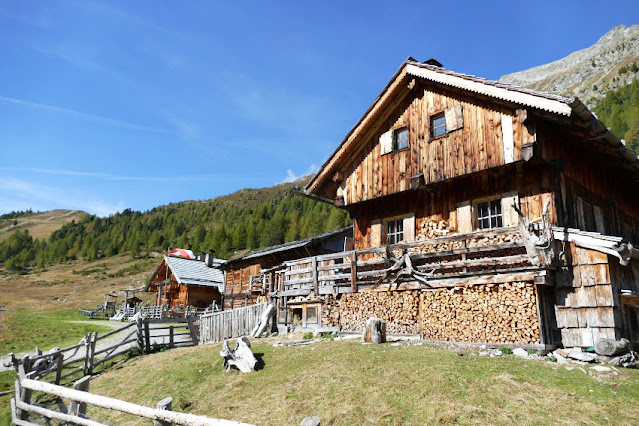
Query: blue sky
[{"x": 107, "y": 105}]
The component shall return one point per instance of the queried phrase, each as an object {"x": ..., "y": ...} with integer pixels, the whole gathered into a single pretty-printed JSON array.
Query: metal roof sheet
[{"x": 195, "y": 272}]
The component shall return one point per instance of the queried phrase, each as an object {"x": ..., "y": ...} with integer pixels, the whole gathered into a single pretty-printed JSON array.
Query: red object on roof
[{"x": 187, "y": 254}]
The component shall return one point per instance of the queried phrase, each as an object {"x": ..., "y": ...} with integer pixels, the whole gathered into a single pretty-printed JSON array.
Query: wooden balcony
[{"x": 437, "y": 262}]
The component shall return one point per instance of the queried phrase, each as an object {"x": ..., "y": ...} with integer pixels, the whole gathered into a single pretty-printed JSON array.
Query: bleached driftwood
[
  {"x": 264, "y": 321},
  {"x": 241, "y": 357},
  {"x": 375, "y": 330},
  {"x": 540, "y": 248},
  {"x": 403, "y": 267}
]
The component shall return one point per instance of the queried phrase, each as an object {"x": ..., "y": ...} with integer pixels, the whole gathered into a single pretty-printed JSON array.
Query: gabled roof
[
  {"x": 348, "y": 231},
  {"x": 193, "y": 272},
  {"x": 552, "y": 104}
]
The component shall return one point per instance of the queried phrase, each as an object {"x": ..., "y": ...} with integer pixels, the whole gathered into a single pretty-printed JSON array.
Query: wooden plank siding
[
  {"x": 477, "y": 146},
  {"x": 442, "y": 204}
]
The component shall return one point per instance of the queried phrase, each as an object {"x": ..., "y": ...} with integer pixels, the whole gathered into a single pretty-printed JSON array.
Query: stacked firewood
[
  {"x": 490, "y": 313},
  {"x": 400, "y": 310},
  {"x": 431, "y": 229},
  {"x": 330, "y": 311},
  {"x": 494, "y": 239}
]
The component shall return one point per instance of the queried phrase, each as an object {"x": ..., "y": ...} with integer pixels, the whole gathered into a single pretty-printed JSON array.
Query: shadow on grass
[{"x": 260, "y": 361}]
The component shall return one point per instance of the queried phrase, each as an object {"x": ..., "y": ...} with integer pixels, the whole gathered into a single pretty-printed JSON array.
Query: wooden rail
[
  {"x": 218, "y": 326},
  {"x": 449, "y": 256},
  {"x": 85, "y": 356},
  {"x": 22, "y": 406}
]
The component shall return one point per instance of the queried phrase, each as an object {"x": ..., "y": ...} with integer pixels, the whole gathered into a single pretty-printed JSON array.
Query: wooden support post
[
  {"x": 354, "y": 272},
  {"x": 165, "y": 404},
  {"x": 58, "y": 370},
  {"x": 147, "y": 337},
  {"x": 315, "y": 278},
  {"x": 171, "y": 337},
  {"x": 80, "y": 408}
]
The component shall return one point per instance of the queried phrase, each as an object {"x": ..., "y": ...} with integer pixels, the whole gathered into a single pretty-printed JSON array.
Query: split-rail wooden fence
[
  {"x": 22, "y": 406},
  {"x": 85, "y": 356},
  {"x": 238, "y": 322}
]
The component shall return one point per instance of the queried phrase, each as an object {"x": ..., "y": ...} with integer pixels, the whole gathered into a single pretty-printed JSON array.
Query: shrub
[
  {"x": 308, "y": 336},
  {"x": 506, "y": 351}
]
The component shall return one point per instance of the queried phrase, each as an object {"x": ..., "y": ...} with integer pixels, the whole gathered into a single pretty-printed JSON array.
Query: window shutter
[
  {"x": 508, "y": 214},
  {"x": 508, "y": 138},
  {"x": 409, "y": 227},
  {"x": 454, "y": 118},
  {"x": 386, "y": 142},
  {"x": 464, "y": 217},
  {"x": 376, "y": 233}
]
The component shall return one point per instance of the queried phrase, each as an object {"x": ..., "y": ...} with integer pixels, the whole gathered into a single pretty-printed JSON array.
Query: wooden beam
[{"x": 354, "y": 271}]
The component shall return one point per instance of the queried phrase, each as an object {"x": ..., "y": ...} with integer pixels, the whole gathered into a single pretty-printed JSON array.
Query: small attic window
[
  {"x": 400, "y": 139},
  {"x": 438, "y": 125}
]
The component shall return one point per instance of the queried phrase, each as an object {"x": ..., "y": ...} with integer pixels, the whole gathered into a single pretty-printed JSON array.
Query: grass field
[
  {"x": 40, "y": 225},
  {"x": 345, "y": 382}
]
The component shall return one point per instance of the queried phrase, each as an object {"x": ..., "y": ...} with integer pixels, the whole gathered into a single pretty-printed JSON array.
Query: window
[
  {"x": 438, "y": 125},
  {"x": 395, "y": 231},
  {"x": 400, "y": 139},
  {"x": 311, "y": 315},
  {"x": 489, "y": 214}
]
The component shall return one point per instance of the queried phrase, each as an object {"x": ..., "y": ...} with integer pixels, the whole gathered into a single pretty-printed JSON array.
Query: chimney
[{"x": 208, "y": 259}]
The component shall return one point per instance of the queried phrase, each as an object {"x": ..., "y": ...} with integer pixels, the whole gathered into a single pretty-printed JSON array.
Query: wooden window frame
[
  {"x": 396, "y": 133},
  {"x": 432, "y": 118},
  {"x": 476, "y": 219},
  {"x": 398, "y": 220}
]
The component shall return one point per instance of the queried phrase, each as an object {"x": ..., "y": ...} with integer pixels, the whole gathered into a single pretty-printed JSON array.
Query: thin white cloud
[
  {"x": 82, "y": 115},
  {"x": 105, "y": 176},
  {"x": 19, "y": 194},
  {"x": 292, "y": 177}
]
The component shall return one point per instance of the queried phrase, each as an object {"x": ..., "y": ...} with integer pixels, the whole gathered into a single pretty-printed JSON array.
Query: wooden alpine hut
[
  {"x": 182, "y": 282},
  {"x": 483, "y": 212}
]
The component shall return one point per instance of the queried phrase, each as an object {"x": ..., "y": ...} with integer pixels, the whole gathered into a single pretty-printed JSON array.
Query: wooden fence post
[
  {"x": 58, "y": 370},
  {"x": 87, "y": 353},
  {"x": 80, "y": 408},
  {"x": 147, "y": 337},
  {"x": 165, "y": 404},
  {"x": 354, "y": 272},
  {"x": 171, "y": 337},
  {"x": 22, "y": 394},
  {"x": 92, "y": 352},
  {"x": 140, "y": 335},
  {"x": 190, "y": 323}
]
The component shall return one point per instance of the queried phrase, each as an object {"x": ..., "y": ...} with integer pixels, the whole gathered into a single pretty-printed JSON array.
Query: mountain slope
[
  {"x": 589, "y": 73},
  {"x": 41, "y": 224}
]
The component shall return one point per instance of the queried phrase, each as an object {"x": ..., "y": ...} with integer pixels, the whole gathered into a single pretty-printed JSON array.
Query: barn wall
[
  {"x": 531, "y": 183},
  {"x": 236, "y": 291},
  {"x": 478, "y": 145}
]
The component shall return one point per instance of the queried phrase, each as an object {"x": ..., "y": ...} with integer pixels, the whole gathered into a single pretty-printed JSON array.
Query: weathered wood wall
[
  {"x": 587, "y": 302},
  {"x": 236, "y": 290},
  {"x": 478, "y": 145},
  {"x": 531, "y": 183}
]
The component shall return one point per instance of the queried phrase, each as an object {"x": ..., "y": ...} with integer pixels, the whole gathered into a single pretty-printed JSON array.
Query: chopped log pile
[
  {"x": 431, "y": 229},
  {"x": 400, "y": 310},
  {"x": 504, "y": 313},
  {"x": 330, "y": 311}
]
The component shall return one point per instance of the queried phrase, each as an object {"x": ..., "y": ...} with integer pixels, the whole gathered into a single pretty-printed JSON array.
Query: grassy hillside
[
  {"x": 245, "y": 220},
  {"x": 345, "y": 382},
  {"x": 40, "y": 224}
]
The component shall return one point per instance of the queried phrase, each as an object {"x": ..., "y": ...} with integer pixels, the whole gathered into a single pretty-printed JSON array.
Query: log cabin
[
  {"x": 182, "y": 282},
  {"x": 483, "y": 212},
  {"x": 250, "y": 277}
]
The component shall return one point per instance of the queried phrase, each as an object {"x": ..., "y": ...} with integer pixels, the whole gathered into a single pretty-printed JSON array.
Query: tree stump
[
  {"x": 375, "y": 330},
  {"x": 241, "y": 357}
]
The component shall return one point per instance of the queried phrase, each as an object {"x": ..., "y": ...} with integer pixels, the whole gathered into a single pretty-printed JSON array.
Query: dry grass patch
[{"x": 350, "y": 383}]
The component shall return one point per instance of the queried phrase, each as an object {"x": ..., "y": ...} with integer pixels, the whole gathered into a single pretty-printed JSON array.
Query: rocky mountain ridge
[{"x": 588, "y": 73}]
